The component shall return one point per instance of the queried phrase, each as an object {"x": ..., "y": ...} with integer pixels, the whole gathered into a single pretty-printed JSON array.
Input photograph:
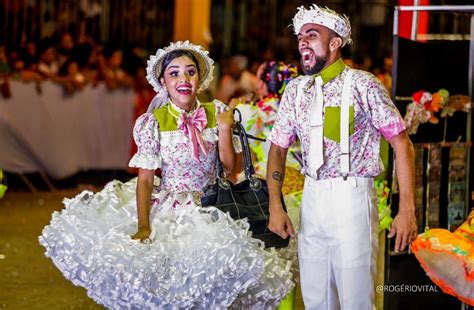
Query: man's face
[{"x": 313, "y": 45}]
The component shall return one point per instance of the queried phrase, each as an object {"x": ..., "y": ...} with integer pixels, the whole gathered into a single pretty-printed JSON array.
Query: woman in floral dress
[{"x": 147, "y": 243}]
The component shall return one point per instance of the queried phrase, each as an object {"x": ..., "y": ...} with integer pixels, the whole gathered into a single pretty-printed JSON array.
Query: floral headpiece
[
  {"x": 325, "y": 17},
  {"x": 286, "y": 73},
  {"x": 206, "y": 64}
]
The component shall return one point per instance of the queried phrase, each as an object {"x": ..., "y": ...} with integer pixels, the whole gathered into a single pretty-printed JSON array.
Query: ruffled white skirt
[{"x": 199, "y": 258}]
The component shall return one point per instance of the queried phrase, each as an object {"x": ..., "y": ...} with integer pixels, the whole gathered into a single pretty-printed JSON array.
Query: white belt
[{"x": 337, "y": 182}]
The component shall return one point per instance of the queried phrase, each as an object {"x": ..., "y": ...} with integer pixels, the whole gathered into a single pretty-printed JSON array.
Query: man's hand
[
  {"x": 404, "y": 224},
  {"x": 405, "y": 229},
  {"x": 280, "y": 223}
]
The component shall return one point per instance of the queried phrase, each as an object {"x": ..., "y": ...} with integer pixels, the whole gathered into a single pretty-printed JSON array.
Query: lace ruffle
[
  {"x": 170, "y": 137},
  {"x": 144, "y": 161},
  {"x": 208, "y": 134}
]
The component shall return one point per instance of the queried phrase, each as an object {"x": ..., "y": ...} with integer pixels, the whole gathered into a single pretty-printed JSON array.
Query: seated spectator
[
  {"x": 29, "y": 52},
  {"x": 47, "y": 65},
  {"x": 88, "y": 56},
  {"x": 24, "y": 70},
  {"x": 71, "y": 77},
  {"x": 112, "y": 73},
  {"x": 65, "y": 48}
]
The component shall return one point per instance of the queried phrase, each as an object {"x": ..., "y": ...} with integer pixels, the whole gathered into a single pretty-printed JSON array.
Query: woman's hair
[
  {"x": 175, "y": 54},
  {"x": 276, "y": 75}
]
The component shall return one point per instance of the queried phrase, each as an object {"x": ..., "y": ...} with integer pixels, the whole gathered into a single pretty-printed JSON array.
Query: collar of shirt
[
  {"x": 328, "y": 73},
  {"x": 175, "y": 111},
  {"x": 333, "y": 70}
]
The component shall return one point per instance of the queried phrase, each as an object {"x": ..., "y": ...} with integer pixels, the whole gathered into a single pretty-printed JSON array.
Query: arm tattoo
[{"x": 276, "y": 175}]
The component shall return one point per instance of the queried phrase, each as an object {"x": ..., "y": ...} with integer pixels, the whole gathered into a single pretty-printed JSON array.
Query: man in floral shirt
[{"x": 339, "y": 115}]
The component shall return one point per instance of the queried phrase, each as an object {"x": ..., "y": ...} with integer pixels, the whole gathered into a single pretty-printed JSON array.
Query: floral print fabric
[
  {"x": 171, "y": 151},
  {"x": 374, "y": 115}
]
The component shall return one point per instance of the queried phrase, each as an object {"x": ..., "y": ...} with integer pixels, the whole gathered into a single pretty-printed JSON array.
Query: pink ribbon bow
[{"x": 192, "y": 126}]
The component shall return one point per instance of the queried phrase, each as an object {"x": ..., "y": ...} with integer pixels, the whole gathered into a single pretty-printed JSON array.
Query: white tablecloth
[{"x": 63, "y": 134}]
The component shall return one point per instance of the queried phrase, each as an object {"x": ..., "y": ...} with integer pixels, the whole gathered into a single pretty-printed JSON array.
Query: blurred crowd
[{"x": 74, "y": 62}]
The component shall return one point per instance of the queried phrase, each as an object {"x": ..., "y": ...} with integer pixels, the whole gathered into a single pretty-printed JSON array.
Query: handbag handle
[
  {"x": 249, "y": 170},
  {"x": 221, "y": 175}
]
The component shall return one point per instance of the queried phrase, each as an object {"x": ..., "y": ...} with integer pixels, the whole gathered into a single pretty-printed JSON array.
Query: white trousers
[{"x": 337, "y": 243}]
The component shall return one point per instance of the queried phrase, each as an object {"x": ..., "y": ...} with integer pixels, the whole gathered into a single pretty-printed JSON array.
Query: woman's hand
[
  {"x": 142, "y": 234},
  {"x": 225, "y": 120}
]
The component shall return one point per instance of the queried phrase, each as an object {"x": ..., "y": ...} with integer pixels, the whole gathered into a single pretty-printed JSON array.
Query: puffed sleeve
[
  {"x": 221, "y": 107},
  {"x": 146, "y": 135}
]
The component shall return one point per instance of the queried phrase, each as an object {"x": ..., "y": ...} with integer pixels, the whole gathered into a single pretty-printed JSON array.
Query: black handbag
[{"x": 247, "y": 199}]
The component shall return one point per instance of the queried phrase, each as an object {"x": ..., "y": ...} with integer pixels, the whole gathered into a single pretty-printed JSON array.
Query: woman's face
[{"x": 181, "y": 80}]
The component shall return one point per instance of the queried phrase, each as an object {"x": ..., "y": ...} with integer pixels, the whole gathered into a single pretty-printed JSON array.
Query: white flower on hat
[
  {"x": 205, "y": 63},
  {"x": 325, "y": 17}
]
